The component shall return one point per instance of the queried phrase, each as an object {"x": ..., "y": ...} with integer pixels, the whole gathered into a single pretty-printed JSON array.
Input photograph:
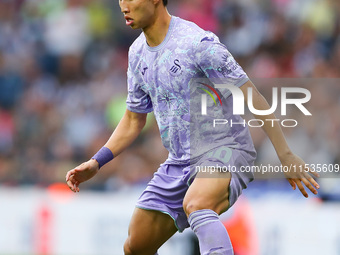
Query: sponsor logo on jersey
[{"x": 227, "y": 66}]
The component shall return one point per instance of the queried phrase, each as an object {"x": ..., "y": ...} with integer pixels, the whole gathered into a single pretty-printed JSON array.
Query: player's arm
[
  {"x": 126, "y": 132},
  {"x": 275, "y": 134}
]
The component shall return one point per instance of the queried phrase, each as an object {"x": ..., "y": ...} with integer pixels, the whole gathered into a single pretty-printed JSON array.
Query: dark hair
[{"x": 165, "y": 2}]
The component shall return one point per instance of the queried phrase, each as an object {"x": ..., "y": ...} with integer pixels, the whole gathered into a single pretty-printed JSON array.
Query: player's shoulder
[
  {"x": 137, "y": 44},
  {"x": 197, "y": 34},
  {"x": 136, "y": 48}
]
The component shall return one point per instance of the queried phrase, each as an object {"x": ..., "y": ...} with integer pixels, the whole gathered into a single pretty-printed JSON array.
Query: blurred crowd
[{"x": 63, "y": 80}]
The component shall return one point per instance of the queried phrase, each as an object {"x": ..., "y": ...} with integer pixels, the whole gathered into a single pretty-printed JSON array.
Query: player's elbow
[{"x": 136, "y": 120}]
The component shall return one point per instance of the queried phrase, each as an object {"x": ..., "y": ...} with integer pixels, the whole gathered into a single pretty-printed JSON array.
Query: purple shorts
[{"x": 166, "y": 190}]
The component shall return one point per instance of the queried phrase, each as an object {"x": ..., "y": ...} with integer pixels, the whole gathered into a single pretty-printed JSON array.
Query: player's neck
[{"x": 156, "y": 32}]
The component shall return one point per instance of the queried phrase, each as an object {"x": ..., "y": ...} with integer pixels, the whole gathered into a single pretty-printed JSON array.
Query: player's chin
[
  {"x": 135, "y": 26},
  {"x": 140, "y": 24}
]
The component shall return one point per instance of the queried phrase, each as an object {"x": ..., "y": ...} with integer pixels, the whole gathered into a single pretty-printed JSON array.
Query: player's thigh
[
  {"x": 148, "y": 230},
  {"x": 208, "y": 192}
]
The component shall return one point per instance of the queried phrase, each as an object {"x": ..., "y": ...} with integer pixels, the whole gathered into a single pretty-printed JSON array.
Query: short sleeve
[
  {"x": 214, "y": 59},
  {"x": 137, "y": 99}
]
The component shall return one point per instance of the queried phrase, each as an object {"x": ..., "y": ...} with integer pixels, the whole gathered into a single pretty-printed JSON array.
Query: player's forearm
[
  {"x": 126, "y": 132},
  {"x": 273, "y": 131},
  {"x": 271, "y": 128}
]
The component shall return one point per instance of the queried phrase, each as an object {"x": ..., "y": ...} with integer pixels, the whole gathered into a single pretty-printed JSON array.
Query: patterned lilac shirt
[{"x": 160, "y": 79}]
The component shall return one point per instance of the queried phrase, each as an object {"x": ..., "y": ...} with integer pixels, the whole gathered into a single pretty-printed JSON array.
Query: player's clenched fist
[{"x": 81, "y": 173}]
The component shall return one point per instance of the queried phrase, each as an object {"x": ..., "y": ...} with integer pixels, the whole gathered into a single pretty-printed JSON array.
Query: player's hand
[
  {"x": 81, "y": 173},
  {"x": 299, "y": 175}
]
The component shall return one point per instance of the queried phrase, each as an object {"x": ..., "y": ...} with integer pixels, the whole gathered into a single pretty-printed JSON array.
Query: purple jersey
[{"x": 159, "y": 80}]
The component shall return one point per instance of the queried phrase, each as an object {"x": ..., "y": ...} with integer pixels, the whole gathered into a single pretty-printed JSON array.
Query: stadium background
[{"x": 62, "y": 91}]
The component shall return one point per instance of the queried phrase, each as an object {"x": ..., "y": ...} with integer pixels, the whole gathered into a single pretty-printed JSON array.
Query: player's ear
[{"x": 156, "y": 2}]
